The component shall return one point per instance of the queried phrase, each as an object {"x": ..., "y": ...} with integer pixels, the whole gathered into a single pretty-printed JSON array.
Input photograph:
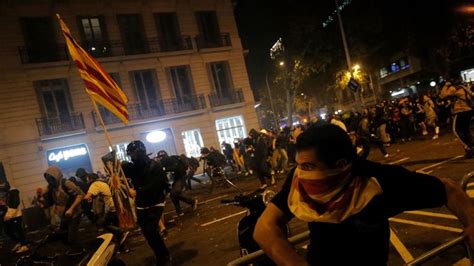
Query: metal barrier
[
  {"x": 300, "y": 238},
  {"x": 294, "y": 240}
]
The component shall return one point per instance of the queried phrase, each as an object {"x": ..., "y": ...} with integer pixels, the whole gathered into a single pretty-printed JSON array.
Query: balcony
[
  {"x": 204, "y": 42},
  {"x": 43, "y": 54},
  {"x": 153, "y": 45},
  {"x": 162, "y": 108},
  {"x": 225, "y": 98},
  {"x": 57, "y": 125}
]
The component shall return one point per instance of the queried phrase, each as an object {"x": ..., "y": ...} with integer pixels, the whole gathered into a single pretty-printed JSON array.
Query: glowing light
[
  {"x": 397, "y": 93},
  {"x": 156, "y": 136},
  {"x": 282, "y": 63},
  {"x": 433, "y": 83},
  {"x": 66, "y": 154}
]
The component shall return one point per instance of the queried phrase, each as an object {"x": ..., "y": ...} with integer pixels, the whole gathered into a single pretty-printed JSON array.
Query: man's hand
[{"x": 69, "y": 212}]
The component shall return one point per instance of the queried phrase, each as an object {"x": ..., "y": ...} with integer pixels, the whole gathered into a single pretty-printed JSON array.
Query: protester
[
  {"x": 174, "y": 165},
  {"x": 100, "y": 195},
  {"x": 151, "y": 185},
  {"x": 262, "y": 156},
  {"x": 431, "y": 116},
  {"x": 11, "y": 215},
  {"x": 192, "y": 164},
  {"x": 347, "y": 202},
  {"x": 66, "y": 199},
  {"x": 462, "y": 111}
]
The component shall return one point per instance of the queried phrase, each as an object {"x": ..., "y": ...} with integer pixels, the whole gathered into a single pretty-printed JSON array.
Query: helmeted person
[
  {"x": 151, "y": 185},
  {"x": 177, "y": 167},
  {"x": 347, "y": 201},
  {"x": 66, "y": 198}
]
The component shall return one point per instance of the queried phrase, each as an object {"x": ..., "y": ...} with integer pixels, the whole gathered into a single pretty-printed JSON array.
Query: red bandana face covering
[{"x": 330, "y": 196}]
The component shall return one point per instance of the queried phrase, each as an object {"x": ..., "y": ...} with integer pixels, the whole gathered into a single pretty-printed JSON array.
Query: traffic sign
[{"x": 353, "y": 85}]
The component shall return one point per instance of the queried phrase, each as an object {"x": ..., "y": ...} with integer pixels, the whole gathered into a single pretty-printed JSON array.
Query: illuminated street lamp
[{"x": 282, "y": 63}]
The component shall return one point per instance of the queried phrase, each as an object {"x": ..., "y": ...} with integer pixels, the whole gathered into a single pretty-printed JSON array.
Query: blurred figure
[
  {"x": 11, "y": 215},
  {"x": 431, "y": 117}
]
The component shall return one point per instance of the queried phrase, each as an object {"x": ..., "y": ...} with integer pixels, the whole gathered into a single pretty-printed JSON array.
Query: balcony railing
[
  {"x": 225, "y": 98},
  {"x": 43, "y": 54},
  {"x": 64, "y": 123},
  {"x": 161, "y": 108},
  {"x": 219, "y": 41},
  {"x": 152, "y": 45}
]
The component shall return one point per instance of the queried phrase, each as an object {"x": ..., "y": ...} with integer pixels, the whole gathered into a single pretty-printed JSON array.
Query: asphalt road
[{"x": 208, "y": 236}]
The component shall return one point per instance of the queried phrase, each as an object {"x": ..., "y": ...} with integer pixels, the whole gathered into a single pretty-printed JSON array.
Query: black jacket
[{"x": 150, "y": 182}]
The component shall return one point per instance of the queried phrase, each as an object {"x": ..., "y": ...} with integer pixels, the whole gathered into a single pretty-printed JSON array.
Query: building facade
[{"x": 180, "y": 62}]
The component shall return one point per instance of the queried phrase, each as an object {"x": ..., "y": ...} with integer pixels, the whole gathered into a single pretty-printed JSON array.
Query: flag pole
[
  {"x": 102, "y": 124},
  {"x": 107, "y": 136}
]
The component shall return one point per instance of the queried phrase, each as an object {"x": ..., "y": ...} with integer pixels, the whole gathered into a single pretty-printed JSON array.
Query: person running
[
  {"x": 347, "y": 201},
  {"x": 150, "y": 187},
  {"x": 431, "y": 117},
  {"x": 66, "y": 198},
  {"x": 11, "y": 215},
  {"x": 100, "y": 196},
  {"x": 192, "y": 165},
  {"x": 462, "y": 112},
  {"x": 174, "y": 165}
]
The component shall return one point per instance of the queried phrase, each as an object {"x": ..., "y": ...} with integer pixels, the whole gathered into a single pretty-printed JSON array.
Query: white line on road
[
  {"x": 401, "y": 249},
  {"x": 438, "y": 164},
  {"x": 213, "y": 199},
  {"x": 434, "y": 226},
  {"x": 223, "y": 218},
  {"x": 433, "y": 214},
  {"x": 399, "y": 161},
  {"x": 201, "y": 202}
]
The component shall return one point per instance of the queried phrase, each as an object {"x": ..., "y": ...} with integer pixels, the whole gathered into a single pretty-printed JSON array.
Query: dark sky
[{"x": 262, "y": 22}]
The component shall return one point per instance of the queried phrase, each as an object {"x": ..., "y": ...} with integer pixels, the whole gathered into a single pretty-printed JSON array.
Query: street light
[
  {"x": 356, "y": 67},
  {"x": 282, "y": 63}
]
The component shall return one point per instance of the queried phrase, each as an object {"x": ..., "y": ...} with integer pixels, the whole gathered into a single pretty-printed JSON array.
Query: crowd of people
[{"x": 263, "y": 153}]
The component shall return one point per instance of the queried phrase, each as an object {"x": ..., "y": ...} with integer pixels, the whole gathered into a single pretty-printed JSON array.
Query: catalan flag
[{"x": 99, "y": 85}]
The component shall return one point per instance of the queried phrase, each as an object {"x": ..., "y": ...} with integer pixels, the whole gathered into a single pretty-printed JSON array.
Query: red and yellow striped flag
[{"x": 99, "y": 85}]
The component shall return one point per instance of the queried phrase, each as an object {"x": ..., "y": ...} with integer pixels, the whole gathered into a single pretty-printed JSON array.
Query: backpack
[
  {"x": 193, "y": 162},
  {"x": 469, "y": 96}
]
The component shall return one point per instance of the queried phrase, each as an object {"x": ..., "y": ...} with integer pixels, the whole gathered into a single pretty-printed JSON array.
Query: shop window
[
  {"x": 192, "y": 142},
  {"x": 230, "y": 128},
  {"x": 121, "y": 151}
]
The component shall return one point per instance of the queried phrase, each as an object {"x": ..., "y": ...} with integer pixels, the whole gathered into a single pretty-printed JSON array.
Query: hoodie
[{"x": 63, "y": 192}]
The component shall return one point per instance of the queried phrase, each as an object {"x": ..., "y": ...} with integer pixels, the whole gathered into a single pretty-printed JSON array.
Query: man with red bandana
[{"x": 347, "y": 202}]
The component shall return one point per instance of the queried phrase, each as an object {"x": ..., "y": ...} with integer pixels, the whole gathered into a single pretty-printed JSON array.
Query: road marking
[
  {"x": 434, "y": 226},
  {"x": 399, "y": 161},
  {"x": 223, "y": 218},
  {"x": 200, "y": 202},
  {"x": 433, "y": 214},
  {"x": 209, "y": 200},
  {"x": 401, "y": 249},
  {"x": 438, "y": 164}
]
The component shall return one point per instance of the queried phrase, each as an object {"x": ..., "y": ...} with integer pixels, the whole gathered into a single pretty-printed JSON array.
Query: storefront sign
[
  {"x": 70, "y": 158},
  {"x": 66, "y": 154}
]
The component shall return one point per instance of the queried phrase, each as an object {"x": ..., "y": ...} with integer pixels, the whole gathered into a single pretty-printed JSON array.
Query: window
[
  {"x": 133, "y": 33},
  {"x": 221, "y": 79},
  {"x": 54, "y": 98},
  {"x": 94, "y": 35},
  {"x": 230, "y": 128},
  {"x": 40, "y": 39},
  {"x": 121, "y": 151},
  {"x": 208, "y": 27},
  {"x": 146, "y": 86},
  {"x": 181, "y": 83},
  {"x": 168, "y": 31},
  {"x": 192, "y": 142}
]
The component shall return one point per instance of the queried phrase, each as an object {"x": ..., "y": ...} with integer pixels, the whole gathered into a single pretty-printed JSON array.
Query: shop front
[{"x": 70, "y": 158}]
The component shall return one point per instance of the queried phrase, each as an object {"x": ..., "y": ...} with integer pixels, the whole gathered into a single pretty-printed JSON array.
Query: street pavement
[{"x": 208, "y": 236}]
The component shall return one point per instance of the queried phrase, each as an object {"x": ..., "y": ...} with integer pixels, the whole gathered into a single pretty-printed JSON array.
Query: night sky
[{"x": 398, "y": 25}]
